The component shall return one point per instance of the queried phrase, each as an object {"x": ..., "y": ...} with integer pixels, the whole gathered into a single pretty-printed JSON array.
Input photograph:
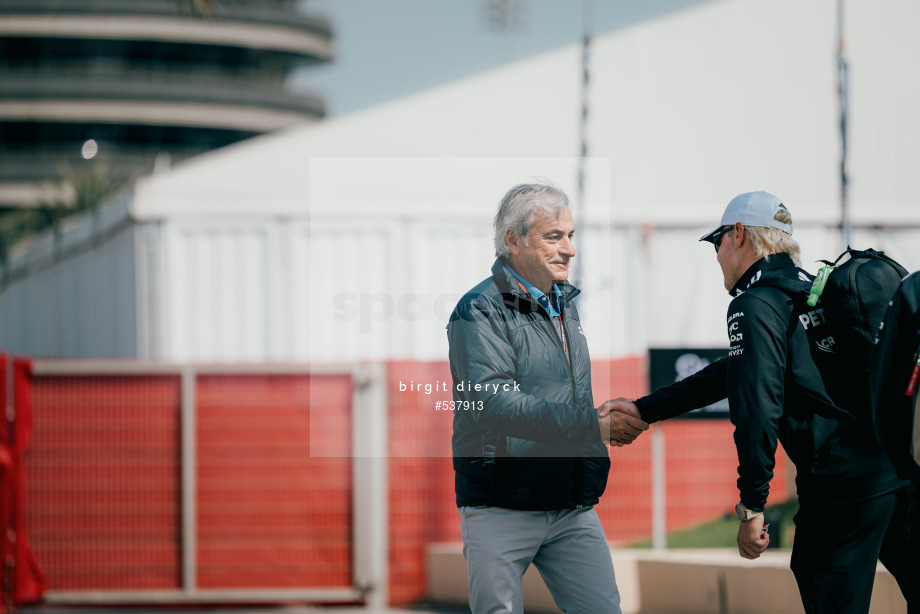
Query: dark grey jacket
[{"x": 535, "y": 443}]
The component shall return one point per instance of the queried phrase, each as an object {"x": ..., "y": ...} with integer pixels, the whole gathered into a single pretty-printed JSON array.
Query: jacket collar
[
  {"x": 774, "y": 265},
  {"x": 508, "y": 285}
]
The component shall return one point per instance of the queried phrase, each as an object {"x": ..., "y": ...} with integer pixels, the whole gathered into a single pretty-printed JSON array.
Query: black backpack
[{"x": 850, "y": 301}]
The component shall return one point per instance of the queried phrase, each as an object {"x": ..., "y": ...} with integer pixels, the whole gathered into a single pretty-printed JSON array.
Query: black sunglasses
[{"x": 717, "y": 236}]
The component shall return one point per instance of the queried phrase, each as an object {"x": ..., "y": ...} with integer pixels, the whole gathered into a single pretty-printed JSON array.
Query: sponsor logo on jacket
[
  {"x": 812, "y": 320},
  {"x": 735, "y": 335}
]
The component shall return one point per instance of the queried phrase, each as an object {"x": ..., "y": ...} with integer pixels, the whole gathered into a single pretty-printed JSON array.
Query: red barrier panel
[
  {"x": 103, "y": 481},
  {"x": 105, "y": 491},
  {"x": 422, "y": 505},
  {"x": 269, "y": 514}
]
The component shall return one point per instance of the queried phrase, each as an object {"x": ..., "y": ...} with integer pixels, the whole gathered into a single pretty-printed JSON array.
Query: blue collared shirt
[{"x": 550, "y": 306}]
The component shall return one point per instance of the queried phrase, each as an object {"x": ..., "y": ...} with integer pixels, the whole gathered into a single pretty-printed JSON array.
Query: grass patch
[{"x": 723, "y": 532}]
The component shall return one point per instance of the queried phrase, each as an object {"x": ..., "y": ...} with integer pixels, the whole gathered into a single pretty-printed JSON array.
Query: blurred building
[{"x": 138, "y": 83}]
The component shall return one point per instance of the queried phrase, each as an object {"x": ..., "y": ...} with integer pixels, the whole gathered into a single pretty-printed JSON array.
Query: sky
[{"x": 386, "y": 49}]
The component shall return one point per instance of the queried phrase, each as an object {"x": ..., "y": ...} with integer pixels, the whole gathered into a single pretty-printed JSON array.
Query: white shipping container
[{"x": 344, "y": 289}]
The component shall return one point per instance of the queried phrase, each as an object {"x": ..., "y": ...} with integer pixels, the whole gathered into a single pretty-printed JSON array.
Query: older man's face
[{"x": 545, "y": 258}]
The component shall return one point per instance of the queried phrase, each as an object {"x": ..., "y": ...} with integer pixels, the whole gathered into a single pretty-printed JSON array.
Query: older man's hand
[{"x": 620, "y": 421}]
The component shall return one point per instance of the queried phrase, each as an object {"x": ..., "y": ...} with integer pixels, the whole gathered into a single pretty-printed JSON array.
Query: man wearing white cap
[{"x": 851, "y": 503}]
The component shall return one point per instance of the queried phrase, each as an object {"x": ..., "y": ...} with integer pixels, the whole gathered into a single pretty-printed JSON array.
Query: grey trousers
[{"x": 568, "y": 548}]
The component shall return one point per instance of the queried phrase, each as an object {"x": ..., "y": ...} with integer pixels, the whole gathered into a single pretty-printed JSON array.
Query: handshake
[{"x": 620, "y": 422}]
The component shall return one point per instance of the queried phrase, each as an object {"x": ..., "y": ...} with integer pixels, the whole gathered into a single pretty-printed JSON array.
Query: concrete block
[{"x": 705, "y": 581}]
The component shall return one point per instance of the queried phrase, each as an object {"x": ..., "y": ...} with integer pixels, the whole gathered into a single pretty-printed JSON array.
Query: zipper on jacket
[
  {"x": 579, "y": 466},
  {"x": 551, "y": 331},
  {"x": 569, "y": 355}
]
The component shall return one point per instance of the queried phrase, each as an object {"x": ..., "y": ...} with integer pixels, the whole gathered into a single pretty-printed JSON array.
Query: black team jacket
[
  {"x": 528, "y": 439},
  {"x": 894, "y": 359},
  {"x": 776, "y": 393}
]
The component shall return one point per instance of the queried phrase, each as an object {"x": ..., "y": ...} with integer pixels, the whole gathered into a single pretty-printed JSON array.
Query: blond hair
[{"x": 767, "y": 241}]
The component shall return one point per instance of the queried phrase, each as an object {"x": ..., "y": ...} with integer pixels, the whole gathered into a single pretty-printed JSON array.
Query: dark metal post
[
  {"x": 846, "y": 225},
  {"x": 580, "y": 199}
]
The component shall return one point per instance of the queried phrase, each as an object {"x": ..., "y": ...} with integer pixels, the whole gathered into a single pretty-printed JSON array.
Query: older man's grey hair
[{"x": 519, "y": 207}]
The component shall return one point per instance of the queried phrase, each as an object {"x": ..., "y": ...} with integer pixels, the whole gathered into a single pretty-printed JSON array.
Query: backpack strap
[
  {"x": 867, "y": 254},
  {"x": 877, "y": 255},
  {"x": 795, "y": 289},
  {"x": 798, "y": 291}
]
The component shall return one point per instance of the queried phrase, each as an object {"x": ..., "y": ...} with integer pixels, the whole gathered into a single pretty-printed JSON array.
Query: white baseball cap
[{"x": 752, "y": 209}]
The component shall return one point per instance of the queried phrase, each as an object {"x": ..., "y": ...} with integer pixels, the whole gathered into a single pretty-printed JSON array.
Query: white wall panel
[
  {"x": 350, "y": 296},
  {"x": 902, "y": 244},
  {"x": 297, "y": 324},
  {"x": 150, "y": 258},
  {"x": 216, "y": 286},
  {"x": 386, "y": 290},
  {"x": 611, "y": 278},
  {"x": 446, "y": 258}
]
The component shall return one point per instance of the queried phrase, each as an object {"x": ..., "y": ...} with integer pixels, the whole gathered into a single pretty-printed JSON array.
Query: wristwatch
[{"x": 744, "y": 514}]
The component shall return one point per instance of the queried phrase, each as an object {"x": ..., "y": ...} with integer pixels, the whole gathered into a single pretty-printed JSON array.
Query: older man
[{"x": 528, "y": 444}]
